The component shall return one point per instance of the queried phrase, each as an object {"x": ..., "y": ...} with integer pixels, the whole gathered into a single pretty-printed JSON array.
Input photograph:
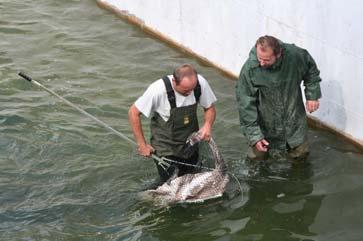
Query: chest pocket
[{"x": 184, "y": 117}]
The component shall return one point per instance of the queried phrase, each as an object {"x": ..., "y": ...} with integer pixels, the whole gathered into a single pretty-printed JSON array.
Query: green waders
[
  {"x": 298, "y": 153},
  {"x": 168, "y": 137}
]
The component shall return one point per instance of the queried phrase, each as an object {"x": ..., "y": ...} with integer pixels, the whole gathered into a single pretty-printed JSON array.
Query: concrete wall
[{"x": 224, "y": 31}]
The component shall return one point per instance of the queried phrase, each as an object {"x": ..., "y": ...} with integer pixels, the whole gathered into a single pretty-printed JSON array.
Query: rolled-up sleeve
[
  {"x": 146, "y": 103},
  {"x": 207, "y": 97}
]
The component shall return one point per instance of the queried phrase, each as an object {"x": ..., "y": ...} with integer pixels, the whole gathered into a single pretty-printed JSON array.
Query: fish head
[{"x": 194, "y": 138}]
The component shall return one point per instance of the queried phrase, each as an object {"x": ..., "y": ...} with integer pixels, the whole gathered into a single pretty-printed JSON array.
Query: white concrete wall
[{"x": 224, "y": 32}]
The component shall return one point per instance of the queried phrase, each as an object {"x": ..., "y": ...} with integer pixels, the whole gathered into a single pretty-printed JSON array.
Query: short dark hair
[
  {"x": 186, "y": 70},
  {"x": 269, "y": 42}
]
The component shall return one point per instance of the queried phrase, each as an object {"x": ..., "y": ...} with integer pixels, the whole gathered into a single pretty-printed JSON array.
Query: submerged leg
[
  {"x": 165, "y": 174},
  {"x": 300, "y": 152},
  {"x": 179, "y": 169}
]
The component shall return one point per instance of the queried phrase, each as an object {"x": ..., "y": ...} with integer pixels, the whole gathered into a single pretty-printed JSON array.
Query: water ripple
[{"x": 63, "y": 177}]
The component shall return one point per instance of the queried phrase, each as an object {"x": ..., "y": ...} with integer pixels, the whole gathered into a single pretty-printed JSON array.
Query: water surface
[{"x": 63, "y": 177}]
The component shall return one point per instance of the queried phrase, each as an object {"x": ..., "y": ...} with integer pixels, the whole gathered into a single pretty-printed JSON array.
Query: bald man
[{"x": 171, "y": 102}]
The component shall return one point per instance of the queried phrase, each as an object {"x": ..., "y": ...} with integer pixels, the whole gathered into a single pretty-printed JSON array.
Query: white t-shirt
[{"x": 155, "y": 98}]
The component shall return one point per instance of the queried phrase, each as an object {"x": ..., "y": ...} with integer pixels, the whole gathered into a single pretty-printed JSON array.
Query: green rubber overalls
[{"x": 169, "y": 137}]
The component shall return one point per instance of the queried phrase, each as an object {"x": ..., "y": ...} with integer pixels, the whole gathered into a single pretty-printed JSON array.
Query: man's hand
[
  {"x": 135, "y": 122},
  {"x": 312, "y": 105},
  {"x": 145, "y": 150},
  {"x": 209, "y": 116},
  {"x": 205, "y": 133},
  {"x": 262, "y": 145}
]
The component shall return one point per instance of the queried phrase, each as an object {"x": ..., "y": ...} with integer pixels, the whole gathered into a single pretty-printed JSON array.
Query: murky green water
[{"x": 64, "y": 178}]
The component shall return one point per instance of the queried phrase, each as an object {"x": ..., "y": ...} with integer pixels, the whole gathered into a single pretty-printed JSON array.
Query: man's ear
[{"x": 174, "y": 81}]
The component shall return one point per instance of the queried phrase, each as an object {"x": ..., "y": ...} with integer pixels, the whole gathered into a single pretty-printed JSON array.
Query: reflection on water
[
  {"x": 64, "y": 178},
  {"x": 287, "y": 209}
]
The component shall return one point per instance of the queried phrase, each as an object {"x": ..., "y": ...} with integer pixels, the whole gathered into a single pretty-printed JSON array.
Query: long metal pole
[
  {"x": 161, "y": 161},
  {"x": 158, "y": 159}
]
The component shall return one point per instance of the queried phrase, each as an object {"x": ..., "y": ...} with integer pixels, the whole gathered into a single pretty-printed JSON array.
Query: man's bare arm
[
  {"x": 135, "y": 122},
  {"x": 209, "y": 117}
]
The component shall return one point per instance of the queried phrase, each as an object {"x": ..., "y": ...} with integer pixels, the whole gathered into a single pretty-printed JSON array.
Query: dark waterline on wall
[{"x": 63, "y": 177}]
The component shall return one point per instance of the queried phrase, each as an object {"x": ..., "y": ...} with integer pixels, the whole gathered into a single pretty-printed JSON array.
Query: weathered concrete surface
[{"x": 222, "y": 33}]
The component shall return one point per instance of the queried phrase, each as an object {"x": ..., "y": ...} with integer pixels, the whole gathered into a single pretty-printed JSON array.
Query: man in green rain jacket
[{"x": 270, "y": 102}]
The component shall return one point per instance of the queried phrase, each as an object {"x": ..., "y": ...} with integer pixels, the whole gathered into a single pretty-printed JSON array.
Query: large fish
[{"x": 194, "y": 187}]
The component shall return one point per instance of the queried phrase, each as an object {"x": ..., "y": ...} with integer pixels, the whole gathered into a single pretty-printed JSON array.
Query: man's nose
[{"x": 262, "y": 63}]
